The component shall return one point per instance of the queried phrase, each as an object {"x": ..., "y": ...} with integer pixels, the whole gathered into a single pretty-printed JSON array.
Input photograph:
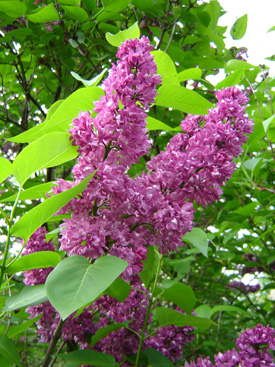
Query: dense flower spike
[{"x": 253, "y": 345}]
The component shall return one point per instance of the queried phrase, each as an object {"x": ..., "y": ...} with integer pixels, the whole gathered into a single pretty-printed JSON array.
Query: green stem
[
  {"x": 9, "y": 224},
  {"x": 142, "y": 336}
]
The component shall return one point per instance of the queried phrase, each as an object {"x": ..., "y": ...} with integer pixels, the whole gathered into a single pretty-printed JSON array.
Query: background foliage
[{"x": 52, "y": 56}]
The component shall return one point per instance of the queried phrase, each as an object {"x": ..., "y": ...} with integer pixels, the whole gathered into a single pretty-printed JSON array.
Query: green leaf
[
  {"x": 246, "y": 210},
  {"x": 90, "y": 357},
  {"x": 154, "y": 124},
  {"x": 9, "y": 351},
  {"x": 182, "y": 99},
  {"x": 231, "y": 79},
  {"x": 115, "y": 6},
  {"x": 268, "y": 122},
  {"x": 166, "y": 68},
  {"x": 60, "y": 120},
  {"x": 13, "y": 8},
  {"x": 37, "y": 260},
  {"x": 157, "y": 359},
  {"x": 198, "y": 238},
  {"x": 227, "y": 308},
  {"x": 167, "y": 316},
  {"x": 239, "y": 28},
  {"x": 182, "y": 295},
  {"x": 33, "y": 219},
  {"x": 4, "y": 362},
  {"x": 44, "y": 14},
  {"x": 119, "y": 290},
  {"x": 33, "y": 193},
  {"x": 150, "y": 266},
  {"x": 130, "y": 33},
  {"x": 104, "y": 331},
  {"x": 234, "y": 65},
  {"x": 89, "y": 83},
  {"x": 76, "y": 13},
  {"x": 5, "y": 169},
  {"x": 204, "y": 311},
  {"x": 69, "y": 2},
  {"x": 28, "y": 296},
  {"x": 20, "y": 328},
  {"x": 50, "y": 150},
  {"x": 80, "y": 282},
  {"x": 270, "y": 259},
  {"x": 271, "y": 29},
  {"x": 193, "y": 74}
]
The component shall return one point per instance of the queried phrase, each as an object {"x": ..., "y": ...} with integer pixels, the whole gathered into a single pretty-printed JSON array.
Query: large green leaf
[
  {"x": 116, "y": 39},
  {"x": 166, "y": 68},
  {"x": 234, "y": 65},
  {"x": 119, "y": 290},
  {"x": 50, "y": 150},
  {"x": 5, "y": 169},
  {"x": 60, "y": 120},
  {"x": 115, "y": 6},
  {"x": 20, "y": 328},
  {"x": 9, "y": 351},
  {"x": 37, "y": 260},
  {"x": 33, "y": 219},
  {"x": 239, "y": 28},
  {"x": 33, "y": 193},
  {"x": 231, "y": 79},
  {"x": 182, "y": 99},
  {"x": 182, "y": 295},
  {"x": 75, "y": 282},
  {"x": 28, "y": 296},
  {"x": 13, "y": 8},
  {"x": 44, "y": 14},
  {"x": 227, "y": 308},
  {"x": 198, "y": 238},
  {"x": 167, "y": 316},
  {"x": 90, "y": 357},
  {"x": 76, "y": 13},
  {"x": 193, "y": 74}
]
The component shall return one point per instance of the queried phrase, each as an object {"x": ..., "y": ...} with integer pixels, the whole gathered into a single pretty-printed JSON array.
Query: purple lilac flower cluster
[
  {"x": 243, "y": 287},
  {"x": 253, "y": 351}
]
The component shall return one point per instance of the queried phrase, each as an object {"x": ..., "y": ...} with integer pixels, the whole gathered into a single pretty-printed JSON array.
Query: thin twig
[{"x": 53, "y": 342}]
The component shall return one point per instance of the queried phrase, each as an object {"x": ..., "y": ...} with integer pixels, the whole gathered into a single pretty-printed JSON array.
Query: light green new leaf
[
  {"x": 182, "y": 295},
  {"x": 116, "y": 39},
  {"x": 60, "y": 120},
  {"x": 154, "y": 124},
  {"x": 13, "y": 8},
  {"x": 198, "y": 238},
  {"x": 271, "y": 29},
  {"x": 9, "y": 351},
  {"x": 33, "y": 219},
  {"x": 182, "y": 99},
  {"x": 268, "y": 122},
  {"x": 231, "y": 79},
  {"x": 28, "y": 296},
  {"x": 150, "y": 266},
  {"x": 76, "y": 13},
  {"x": 166, "y": 68},
  {"x": 90, "y": 357},
  {"x": 234, "y": 65},
  {"x": 89, "y": 83},
  {"x": 50, "y": 150},
  {"x": 33, "y": 193},
  {"x": 44, "y": 14},
  {"x": 37, "y": 260},
  {"x": 104, "y": 331},
  {"x": 167, "y": 316},
  {"x": 75, "y": 282},
  {"x": 193, "y": 74},
  {"x": 239, "y": 28},
  {"x": 5, "y": 169}
]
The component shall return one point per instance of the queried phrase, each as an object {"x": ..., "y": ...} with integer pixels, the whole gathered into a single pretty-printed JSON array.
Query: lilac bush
[{"x": 120, "y": 216}]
